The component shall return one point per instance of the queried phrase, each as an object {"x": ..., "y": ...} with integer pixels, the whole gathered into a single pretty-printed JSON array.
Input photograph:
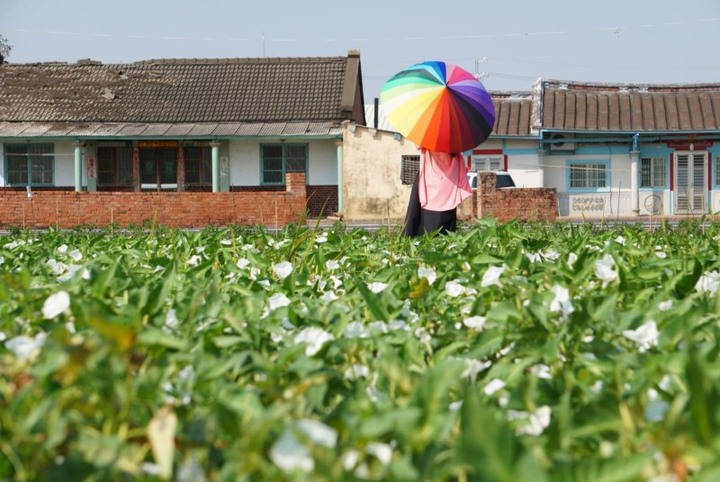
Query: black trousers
[{"x": 419, "y": 221}]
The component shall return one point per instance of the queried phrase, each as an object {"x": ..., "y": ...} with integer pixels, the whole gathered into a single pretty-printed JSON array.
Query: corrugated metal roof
[{"x": 126, "y": 130}]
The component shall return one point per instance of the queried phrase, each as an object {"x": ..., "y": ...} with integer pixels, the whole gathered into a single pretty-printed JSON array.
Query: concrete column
[
  {"x": 215, "y": 166},
  {"x": 78, "y": 166},
  {"x": 339, "y": 146},
  {"x": 634, "y": 185}
]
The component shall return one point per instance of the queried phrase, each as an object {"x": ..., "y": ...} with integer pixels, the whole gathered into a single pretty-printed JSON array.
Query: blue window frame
[
  {"x": 588, "y": 176},
  {"x": 29, "y": 164},
  {"x": 278, "y": 159}
]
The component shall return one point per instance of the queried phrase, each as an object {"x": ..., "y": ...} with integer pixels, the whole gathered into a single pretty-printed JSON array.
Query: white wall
[{"x": 245, "y": 162}]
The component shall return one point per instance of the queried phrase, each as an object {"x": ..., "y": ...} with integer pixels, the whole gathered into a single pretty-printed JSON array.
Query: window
[
  {"x": 590, "y": 175},
  {"x": 653, "y": 172},
  {"x": 29, "y": 164},
  {"x": 717, "y": 170},
  {"x": 158, "y": 168},
  {"x": 278, "y": 159},
  {"x": 409, "y": 169},
  {"x": 115, "y": 166},
  {"x": 198, "y": 165},
  {"x": 487, "y": 163}
]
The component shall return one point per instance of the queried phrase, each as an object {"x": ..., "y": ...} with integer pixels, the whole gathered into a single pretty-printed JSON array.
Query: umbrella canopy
[{"x": 439, "y": 106}]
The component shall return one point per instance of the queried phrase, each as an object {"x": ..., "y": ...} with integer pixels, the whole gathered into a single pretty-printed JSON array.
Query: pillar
[
  {"x": 339, "y": 146},
  {"x": 78, "y": 166},
  {"x": 634, "y": 186},
  {"x": 215, "y": 166},
  {"x": 541, "y": 166}
]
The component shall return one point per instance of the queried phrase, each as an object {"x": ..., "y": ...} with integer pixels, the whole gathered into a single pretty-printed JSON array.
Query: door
[
  {"x": 158, "y": 168},
  {"x": 690, "y": 182}
]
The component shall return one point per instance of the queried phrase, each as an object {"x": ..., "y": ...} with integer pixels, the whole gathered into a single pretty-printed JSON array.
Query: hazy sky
[{"x": 510, "y": 42}]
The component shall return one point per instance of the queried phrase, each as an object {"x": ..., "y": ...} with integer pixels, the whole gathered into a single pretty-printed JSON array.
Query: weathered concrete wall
[{"x": 371, "y": 174}]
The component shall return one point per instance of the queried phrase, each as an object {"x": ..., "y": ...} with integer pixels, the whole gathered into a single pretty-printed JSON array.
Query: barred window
[
  {"x": 30, "y": 164},
  {"x": 198, "y": 164},
  {"x": 409, "y": 169},
  {"x": 278, "y": 159},
  {"x": 653, "y": 172},
  {"x": 588, "y": 175},
  {"x": 717, "y": 170},
  {"x": 115, "y": 165}
]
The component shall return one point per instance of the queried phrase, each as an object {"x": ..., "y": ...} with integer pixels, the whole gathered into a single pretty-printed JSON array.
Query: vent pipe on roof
[{"x": 375, "y": 113}]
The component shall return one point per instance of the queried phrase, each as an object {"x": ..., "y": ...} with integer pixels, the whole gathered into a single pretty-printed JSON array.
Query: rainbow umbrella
[{"x": 439, "y": 106}]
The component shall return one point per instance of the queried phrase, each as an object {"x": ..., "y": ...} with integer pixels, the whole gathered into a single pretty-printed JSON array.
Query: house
[
  {"x": 628, "y": 150},
  {"x": 174, "y": 126},
  {"x": 606, "y": 149}
]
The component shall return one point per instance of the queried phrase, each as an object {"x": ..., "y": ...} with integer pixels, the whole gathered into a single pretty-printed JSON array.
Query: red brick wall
[
  {"x": 525, "y": 204},
  {"x": 173, "y": 209}
]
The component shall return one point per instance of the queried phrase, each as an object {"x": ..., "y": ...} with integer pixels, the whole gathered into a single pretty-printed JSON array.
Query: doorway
[
  {"x": 690, "y": 182},
  {"x": 158, "y": 168}
]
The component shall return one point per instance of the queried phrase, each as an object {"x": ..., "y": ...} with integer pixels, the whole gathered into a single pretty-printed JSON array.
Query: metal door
[{"x": 690, "y": 182}]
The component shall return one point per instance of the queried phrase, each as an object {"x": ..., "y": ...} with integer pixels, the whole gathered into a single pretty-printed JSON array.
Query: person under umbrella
[{"x": 440, "y": 186}]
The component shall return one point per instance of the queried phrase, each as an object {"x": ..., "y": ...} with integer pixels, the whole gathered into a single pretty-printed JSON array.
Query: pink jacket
[{"x": 442, "y": 183}]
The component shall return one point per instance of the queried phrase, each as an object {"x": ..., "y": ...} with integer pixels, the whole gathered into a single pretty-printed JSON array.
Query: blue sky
[{"x": 510, "y": 43}]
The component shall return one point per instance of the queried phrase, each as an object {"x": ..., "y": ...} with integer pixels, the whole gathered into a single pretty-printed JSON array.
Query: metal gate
[{"x": 690, "y": 182}]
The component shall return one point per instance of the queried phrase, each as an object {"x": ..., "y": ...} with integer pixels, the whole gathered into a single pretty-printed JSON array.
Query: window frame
[
  {"x": 654, "y": 161},
  {"x": 116, "y": 182},
  {"x": 50, "y": 153},
  {"x": 487, "y": 160},
  {"x": 284, "y": 158},
  {"x": 586, "y": 165},
  {"x": 204, "y": 161}
]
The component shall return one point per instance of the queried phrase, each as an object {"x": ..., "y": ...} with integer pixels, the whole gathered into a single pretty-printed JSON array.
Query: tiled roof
[
  {"x": 630, "y": 108},
  {"x": 182, "y": 91},
  {"x": 512, "y": 114}
]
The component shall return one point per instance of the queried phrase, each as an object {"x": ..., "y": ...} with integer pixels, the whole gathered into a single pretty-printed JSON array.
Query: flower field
[{"x": 513, "y": 353}]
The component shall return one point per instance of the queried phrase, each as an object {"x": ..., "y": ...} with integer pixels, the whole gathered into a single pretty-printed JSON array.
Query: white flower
[
  {"x": 551, "y": 254},
  {"x": 23, "y": 347},
  {"x": 493, "y": 386},
  {"x": 427, "y": 273},
  {"x": 656, "y": 408},
  {"x": 533, "y": 257},
  {"x": 314, "y": 338},
  {"x": 356, "y": 329},
  {"x": 665, "y": 305},
  {"x": 561, "y": 303},
  {"x": 620, "y": 240},
  {"x": 289, "y": 454},
  {"x": 194, "y": 260},
  {"x": 56, "y": 304},
  {"x": 541, "y": 371},
  {"x": 171, "y": 320},
  {"x": 572, "y": 257},
  {"x": 2, "y": 260},
  {"x": 242, "y": 263},
  {"x": 278, "y": 300},
  {"x": 332, "y": 264},
  {"x": 475, "y": 322},
  {"x": 356, "y": 371},
  {"x": 537, "y": 422},
  {"x": 605, "y": 269},
  {"x": 454, "y": 288},
  {"x": 455, "y": 406},
  {"x": 318, "y": 432},
  {"x": 377, "y": 287},
  {"x": 62, "y": 249},
  {"x": 646, "y": 335},
  {"x": 75, "y": 254},
  {"x": 282, "y": 269},
  {"x": 661, "y": 254},
  {"x": 321, "y": 238},
  {"x": 383, "y": 452},
  {"x": 708, "y": 283},
  {"x": 226, "y": 242},
  {"x": 329, "y": 296},
  {"x": 492, "y": 276},
  {"x": 56, "y": 267},
  {"x": 473, "y": 368}
]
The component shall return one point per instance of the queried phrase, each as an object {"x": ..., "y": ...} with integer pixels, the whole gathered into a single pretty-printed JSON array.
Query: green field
[{"x": 514, "y": 352}]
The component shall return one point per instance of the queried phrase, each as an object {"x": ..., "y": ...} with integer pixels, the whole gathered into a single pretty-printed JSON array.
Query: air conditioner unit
[{"x": 561, "y": 142}]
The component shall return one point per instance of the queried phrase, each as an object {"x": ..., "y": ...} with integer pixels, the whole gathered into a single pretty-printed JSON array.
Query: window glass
[
  {"x": 278, "y": 159},
  {"x": 29, "y": 164}
]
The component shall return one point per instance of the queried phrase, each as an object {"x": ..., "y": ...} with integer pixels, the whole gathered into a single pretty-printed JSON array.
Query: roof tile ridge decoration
[
  {"x": 237, "y": 60},
  {"x": 626, "y": 87}
]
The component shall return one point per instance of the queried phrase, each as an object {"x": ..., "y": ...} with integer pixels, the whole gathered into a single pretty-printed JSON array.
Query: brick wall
[
  {"x": 525, "y": 204},
  {"x": 65, "y": 209},
  {"x": 322, "y": 200}
]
